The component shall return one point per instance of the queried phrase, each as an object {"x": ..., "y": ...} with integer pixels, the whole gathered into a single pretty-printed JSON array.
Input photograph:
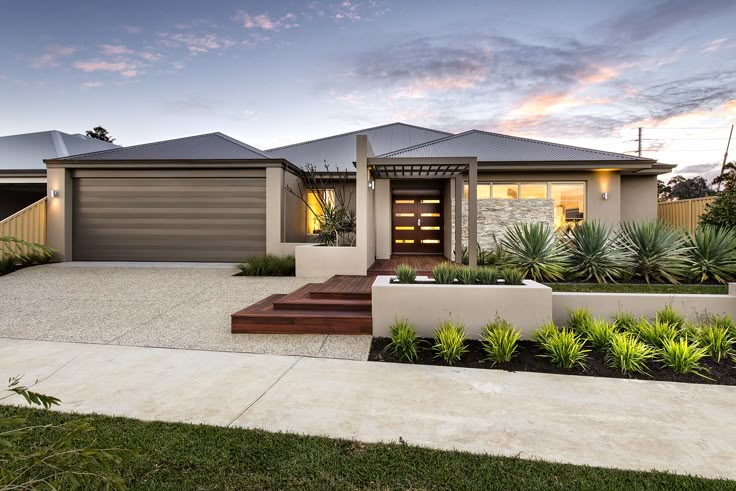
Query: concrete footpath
[{"x": 628, "y": 424}]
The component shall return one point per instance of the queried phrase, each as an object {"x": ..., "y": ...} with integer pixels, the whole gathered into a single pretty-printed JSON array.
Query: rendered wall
[
  {"x": 59, "y": 212},
  {"x": 638, "y": 198},
  {"x": 383, "y": 218},
  {"x": 313, "y": 260},
  {"x": 295, "y": 211}
]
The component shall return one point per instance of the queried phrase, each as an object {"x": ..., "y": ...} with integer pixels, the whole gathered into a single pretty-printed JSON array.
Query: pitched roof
[
  {"x": 212, "y": 146},
  {"x": 494, "y": 147},
  {"x": 339, "y": 151},
  {"x": 28, "y": 151}
]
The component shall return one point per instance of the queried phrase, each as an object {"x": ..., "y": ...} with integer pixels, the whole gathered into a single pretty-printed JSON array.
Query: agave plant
[
  {"x": 596, "y": 252},
  {"x": 713, "y": 254},
  {"x": 660, "y": 251},
  {"x": 534, "y": 249}
]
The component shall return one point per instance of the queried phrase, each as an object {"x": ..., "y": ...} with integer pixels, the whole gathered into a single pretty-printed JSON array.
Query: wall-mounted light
[
  {"x": 605, "y": 195},
  {"x": 371, "y": 184},
  {"x": 54, "y": 193}
]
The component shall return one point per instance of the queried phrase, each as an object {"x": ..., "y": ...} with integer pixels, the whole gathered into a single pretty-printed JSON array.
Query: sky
[{"x": 270, "y": 73}]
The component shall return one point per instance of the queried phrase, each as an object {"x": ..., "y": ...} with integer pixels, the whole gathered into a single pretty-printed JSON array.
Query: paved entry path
[{"x": 630, "y": 424}]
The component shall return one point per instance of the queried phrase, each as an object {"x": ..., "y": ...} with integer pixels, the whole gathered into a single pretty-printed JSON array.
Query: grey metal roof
[
  {"x": 28, "y": 151},
  {"x": 494, "y": 147},
  {"x": 339, "y": 151},
  {"x": 212, "y": 146}
]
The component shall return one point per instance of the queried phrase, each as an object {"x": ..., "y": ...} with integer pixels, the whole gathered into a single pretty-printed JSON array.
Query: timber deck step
[
  {"x": 345, "y": 287},
  {"x": 302, "y": 299}
]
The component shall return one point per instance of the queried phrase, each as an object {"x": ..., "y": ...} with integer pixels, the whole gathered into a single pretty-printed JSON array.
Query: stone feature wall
[{"x": 494, "y": 215}]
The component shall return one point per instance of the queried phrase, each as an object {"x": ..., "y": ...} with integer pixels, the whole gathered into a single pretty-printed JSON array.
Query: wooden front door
[{"x": 417, "y": 224}]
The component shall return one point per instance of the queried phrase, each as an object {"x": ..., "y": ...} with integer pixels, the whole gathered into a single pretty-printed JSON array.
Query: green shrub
[
  {"x": 467, "y": 275},
  {"x": 670, "y": 316},
  {"x": 500, "y": 341},
  {"x": 713, "y": 254},
  {"x": 487, "y": 275},
  {"x": 625, "y": 321},
  {"x": 450, "y": 342},
  {"x": 404, "y": 343},
  {"x": 682, "y": 356},
  {"x": 268, "y": 265},
  {"x": 512, "y": 276},
  {"x": 486, "y": 257},
  {"x": 406, "y": 274},
  {"x": 628, "y": 354},
  {"x": 579, "y": 319},
  {"x": 656, "y": 333},
  {"x": 722, "y": 211},
  {"x": 534, "y": 249},
  {"x": 444, "y": 273},
  {"x": 544, "y": 332},
  {"x": 599, "y": 333},
  {"x": 17, "y": 253},
  {"x": 596, "y": 252},
  {"x": 717, "y": 341},
  {"x": 565, "y": 348},
  {"x": 660, "y": 251},
  {"x": 724, "y": 321}
]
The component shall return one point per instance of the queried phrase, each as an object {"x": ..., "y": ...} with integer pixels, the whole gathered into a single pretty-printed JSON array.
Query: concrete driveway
[{"x": 159, "y": 305}]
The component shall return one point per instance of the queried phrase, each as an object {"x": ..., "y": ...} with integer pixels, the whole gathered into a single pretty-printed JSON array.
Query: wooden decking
[
  {"x": 341, "y": 305},
  {"x": 423, "y": 264}
]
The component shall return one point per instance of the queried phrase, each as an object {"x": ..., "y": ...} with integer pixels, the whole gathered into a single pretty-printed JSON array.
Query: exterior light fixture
[
  {"x": 605, "y": 195},
  {"x": 372, "y": 184},
  {"x": 54, "y": 193}
]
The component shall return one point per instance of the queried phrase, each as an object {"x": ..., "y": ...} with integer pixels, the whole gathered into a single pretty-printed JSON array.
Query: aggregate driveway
[{"x": 165, "y": 305}]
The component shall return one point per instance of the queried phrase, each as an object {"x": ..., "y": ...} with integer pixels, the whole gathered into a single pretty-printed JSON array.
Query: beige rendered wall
[
  {"x": 275, "y": 220},
  {"x": 313, "y": 260},
  {"x": 295, "y": 211},
  {"x": 597, "y": 182},
  {"x": 364, "y": 199},
  {"x": 59, "y": 212},
  {"x": 638, "y": 198},
  {"x": 383, "y": 218}
]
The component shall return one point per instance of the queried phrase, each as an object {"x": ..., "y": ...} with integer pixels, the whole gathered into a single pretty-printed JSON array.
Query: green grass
[
  {"x": 638, "y": 288},
  {"x": 182, "y": 457}
]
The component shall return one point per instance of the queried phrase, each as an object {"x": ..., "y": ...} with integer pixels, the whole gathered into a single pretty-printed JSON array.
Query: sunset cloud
[
  {"x": 123, "y": 68},
  {"x": 264, "y": 22},
  {"x": 52, "y": 55},
  {"x": 92, "y": 85},
  {"x": 195, "y": 43}
]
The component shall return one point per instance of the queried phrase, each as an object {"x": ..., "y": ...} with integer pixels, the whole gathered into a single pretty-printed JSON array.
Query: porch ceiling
[{"x": 393, "y": 168}]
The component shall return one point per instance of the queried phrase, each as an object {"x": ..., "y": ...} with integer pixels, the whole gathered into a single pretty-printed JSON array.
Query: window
[
  {"x": 315, "y": 198},
  {"x": 505, "y": 191},
  {"x": 569, "y": 200},
  {"x": 483, "y": 191},
  {"x": 533, "y": 190}
]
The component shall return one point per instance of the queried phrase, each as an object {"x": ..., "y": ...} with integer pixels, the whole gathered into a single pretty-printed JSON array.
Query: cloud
[
  {"x": 132, "y": 29},
  {"x": 265, "y": 22},
  {"x": 123, "y": 68},
  {"x": 714, "y": 45},
  {"x": 195, "y": 43},
  {"x": 92, "y": 85},
  {"x": 50, "y": 58},
  {"x": 656, "y": 18}
]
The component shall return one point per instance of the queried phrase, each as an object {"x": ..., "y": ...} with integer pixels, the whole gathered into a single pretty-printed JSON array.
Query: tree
[
  {"x": 684, "y": 188},
  {"x": 100, "y": 133},
  {"x": 722, "y": 211},
  {"x": 664, "y": 192}
]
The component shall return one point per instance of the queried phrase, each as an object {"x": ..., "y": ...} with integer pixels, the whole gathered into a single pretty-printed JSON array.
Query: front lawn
[
  {"x": 183, "y": 457},
  {"x": 638, "y": 288}
]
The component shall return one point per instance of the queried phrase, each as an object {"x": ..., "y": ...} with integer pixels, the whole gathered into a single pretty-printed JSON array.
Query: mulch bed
[{"x": 527, "y": 359}]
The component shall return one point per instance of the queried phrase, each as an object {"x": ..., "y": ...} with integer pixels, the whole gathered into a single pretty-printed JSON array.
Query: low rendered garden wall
[
  {"x": 604, "y": 305},
  {"x": 425, "y": 305},
  {"x": 313, "y": 260}
]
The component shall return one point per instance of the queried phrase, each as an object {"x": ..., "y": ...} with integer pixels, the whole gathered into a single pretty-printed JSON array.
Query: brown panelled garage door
[{"x": 169, "y": 219}]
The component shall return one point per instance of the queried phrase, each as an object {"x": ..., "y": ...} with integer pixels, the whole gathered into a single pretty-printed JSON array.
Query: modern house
[
  {"x": 22, "y": 171},
  {"x": 213, "y": 198}
]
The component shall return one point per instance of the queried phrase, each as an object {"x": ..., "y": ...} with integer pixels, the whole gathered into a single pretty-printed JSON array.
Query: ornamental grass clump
[
  {"x": 487, "y": 275},
  {"x": 500, "y": 341},
  {"x": 579, "y": 319},
  {"x": 596, "y": 253},
  {"x": 544, "y": 332},
  {"x": 713, "y": 254},
  {"x": 512, "y": 276},
  {"x": 565, "y": 349},
  {"x": 682, "y": 356},
  {"x": 717, "y": 341},
  {"x": 404, "y": 344},
  {"x": 467, "y": 275},
  {"x": 625, "y": 321},
  {"x": 670, "y": 316},
  {"x": 628, "y": 354},
  {"x": 406, "y": 274},
  {"x": 450, "y": 342},
  {"x": 534, "y": 249},
  {"x": 656, "y": 333},
  {"x": 599, "y": 332},
  {"x": 724, "y": 321},
  {"x": 444, "y": 273},
  {"x": 268, "y": 265},
  {"x": 660, "y": 251}
]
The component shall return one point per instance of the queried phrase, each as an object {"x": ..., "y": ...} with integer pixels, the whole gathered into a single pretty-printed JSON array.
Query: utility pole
[
  {"x": 725, "y": 156},
  {"x": 639, "y": 151}
]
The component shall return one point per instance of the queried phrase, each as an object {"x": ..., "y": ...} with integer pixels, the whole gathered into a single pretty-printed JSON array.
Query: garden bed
[
  {"x": 528, "y": 359},
  {"x": 666, "y": 288}
]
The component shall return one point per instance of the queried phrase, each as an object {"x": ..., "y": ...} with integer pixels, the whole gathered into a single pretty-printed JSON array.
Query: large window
[
  {"x": 569, "y": 197},
  {"x": 315, "y": 199}
]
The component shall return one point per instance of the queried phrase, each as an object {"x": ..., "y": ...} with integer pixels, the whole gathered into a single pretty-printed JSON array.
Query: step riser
[
  {"x": 301, "y": 329},
  {"x": 340, "y": 296},
  {"x": 321, "y": 307}
]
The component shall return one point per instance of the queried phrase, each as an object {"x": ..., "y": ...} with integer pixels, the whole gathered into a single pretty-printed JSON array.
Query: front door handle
[{"x": 419, "y": 222}]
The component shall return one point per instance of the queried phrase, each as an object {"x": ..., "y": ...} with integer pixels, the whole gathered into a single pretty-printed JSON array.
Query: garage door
[{"x": 168, "y": 219}]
